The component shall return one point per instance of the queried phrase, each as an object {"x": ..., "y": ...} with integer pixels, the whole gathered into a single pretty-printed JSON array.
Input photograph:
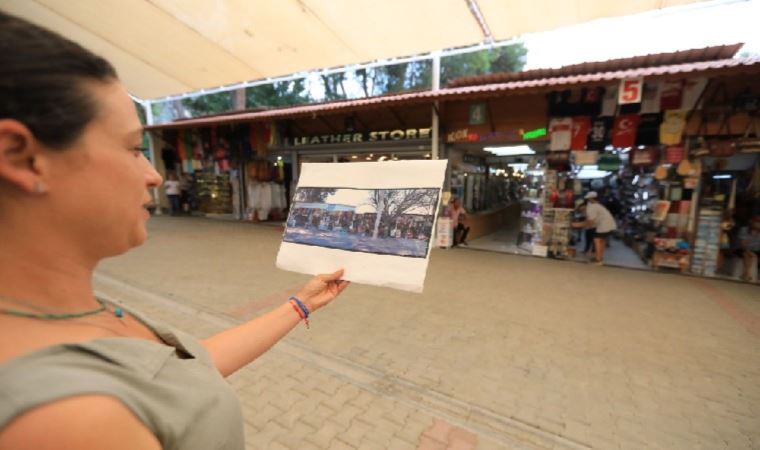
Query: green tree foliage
[
  {"x": 365, "y": 82},
  {"x": 334, "y": 86},
  {"x": 283, "y": 93},
  {"x": 501, "y": 59},
  {"x": 313, "y": 195},
  {"x": 140, "y": 113},
  {"x": 206, "y": 105}
]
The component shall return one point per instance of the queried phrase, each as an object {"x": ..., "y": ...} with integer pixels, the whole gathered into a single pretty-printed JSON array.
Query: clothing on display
[
  {"x": 598, "y": 137},
  {"x": 671, "y": 130},
  {"x": 560, "y": 130},
  {"x": 648, "y": 132},
  {"x": 609, "y": 102},
  {"x": 650, "y": 98},
  {"x": 581, "y": 127},
  {"x": 624, "y": 130},
  {"x": 671, "y": 95},
  {"x": 591, "y": 99},
  {"x": 265, "y": 198}
]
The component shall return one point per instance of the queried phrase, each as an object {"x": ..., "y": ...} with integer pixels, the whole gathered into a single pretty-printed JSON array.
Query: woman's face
[{"x": 100, "y": 184}]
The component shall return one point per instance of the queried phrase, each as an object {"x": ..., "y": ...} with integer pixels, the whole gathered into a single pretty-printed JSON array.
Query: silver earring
[{"x": 38, "y": 187}]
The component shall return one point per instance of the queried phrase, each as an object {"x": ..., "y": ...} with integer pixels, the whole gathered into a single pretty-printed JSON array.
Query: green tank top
[{"x": 174, "y": 389}]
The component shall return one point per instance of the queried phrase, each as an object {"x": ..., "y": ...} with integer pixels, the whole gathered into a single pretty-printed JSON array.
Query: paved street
[{"x": 500, "y": 352}]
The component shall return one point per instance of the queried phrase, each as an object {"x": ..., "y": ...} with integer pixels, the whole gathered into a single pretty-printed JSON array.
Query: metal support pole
[
  {"x": 436, "y": 85},
  {"x": 152, "y": 152}
]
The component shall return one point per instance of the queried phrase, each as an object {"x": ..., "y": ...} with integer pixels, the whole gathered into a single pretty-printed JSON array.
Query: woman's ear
[{"x": 20, "y": 157}]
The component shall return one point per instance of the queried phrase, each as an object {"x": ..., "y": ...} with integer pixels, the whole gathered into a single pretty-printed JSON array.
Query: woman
[{"x": 76, "y": 372}]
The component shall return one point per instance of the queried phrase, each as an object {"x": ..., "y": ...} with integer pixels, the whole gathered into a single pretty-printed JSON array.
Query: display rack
[
  {"x": 214, "y": 193},
  {"x": 704, "y": 260},
  {"x": 557, "y": 227}
]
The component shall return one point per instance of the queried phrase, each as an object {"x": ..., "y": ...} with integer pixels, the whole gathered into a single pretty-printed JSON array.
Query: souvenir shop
[
  {"x": 673, "y": 157},
  {"x": 223, "y": 171},
  {"x": 377, "y": 134},
  {"x": 248, "y": 170},
  {"x": 494, "y": 148}
]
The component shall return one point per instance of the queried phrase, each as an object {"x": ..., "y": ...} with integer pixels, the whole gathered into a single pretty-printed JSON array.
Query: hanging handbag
[
  {"x": 646, "y": 156},
  {"x": 585, "y": 158},
  {"x": 609, "y": 162},
  {"x": 747, "y": 143},
  {"x": 661, "y": 173},
  {"x": 674, "y": 154},
  {"x": 723, "y": 145}
]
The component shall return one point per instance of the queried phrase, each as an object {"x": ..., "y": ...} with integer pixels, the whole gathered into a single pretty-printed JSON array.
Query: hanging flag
[
  {"x": 624, "y": 130},
  {"x": 581, "y": 127}
]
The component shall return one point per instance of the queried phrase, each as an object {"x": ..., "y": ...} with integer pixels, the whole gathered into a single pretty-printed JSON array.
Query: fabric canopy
[{"x": 165, "y": 47}]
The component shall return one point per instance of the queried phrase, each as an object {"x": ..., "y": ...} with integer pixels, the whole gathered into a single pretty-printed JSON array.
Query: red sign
[{"x": 630, "y": 91}]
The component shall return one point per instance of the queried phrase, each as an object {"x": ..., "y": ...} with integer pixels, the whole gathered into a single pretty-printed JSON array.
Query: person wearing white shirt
[
  {"x": 599, "y": 218},
  {"x": 172, "y": 189}
]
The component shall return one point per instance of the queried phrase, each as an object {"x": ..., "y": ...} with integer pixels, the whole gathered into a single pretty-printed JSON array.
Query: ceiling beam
[
  {"x": 327, "y": 124},
  {"x": 397, "y": 116}
]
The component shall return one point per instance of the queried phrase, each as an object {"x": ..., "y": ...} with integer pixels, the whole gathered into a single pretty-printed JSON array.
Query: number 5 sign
[{"x": 630, "y": 91}]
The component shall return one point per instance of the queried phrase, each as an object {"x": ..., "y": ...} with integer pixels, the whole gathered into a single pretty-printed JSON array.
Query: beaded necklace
[{"x": 118, "y": 312}]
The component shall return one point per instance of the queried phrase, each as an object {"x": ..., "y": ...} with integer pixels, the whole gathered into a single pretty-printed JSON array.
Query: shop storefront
[
  {"x": 671, "y": 152},
  {"x": 668, "y": 143}
]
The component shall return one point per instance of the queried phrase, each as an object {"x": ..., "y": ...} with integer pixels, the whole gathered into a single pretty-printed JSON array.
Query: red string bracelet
[{"x": 300, "y": 313}]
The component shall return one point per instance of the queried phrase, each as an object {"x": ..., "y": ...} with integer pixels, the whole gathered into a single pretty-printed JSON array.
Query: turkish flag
[
  {"x": 624, "y": 130},
  {"x": 581, "y": 127}
]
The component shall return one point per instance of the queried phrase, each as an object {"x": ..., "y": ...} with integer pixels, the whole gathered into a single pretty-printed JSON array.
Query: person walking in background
[
  {"x": 172, "y": 188},
  {"x": 600, "y": 218},
  {"x": 459, "y": 223}
]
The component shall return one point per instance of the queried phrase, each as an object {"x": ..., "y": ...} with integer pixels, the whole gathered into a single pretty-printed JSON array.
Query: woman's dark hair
[{"x": 43, "y": 81}]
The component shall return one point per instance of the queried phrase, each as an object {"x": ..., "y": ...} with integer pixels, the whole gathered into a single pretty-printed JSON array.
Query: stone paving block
[
  {"x": 265, "y": 437},
  {"x": 397, "y": 416},
  {"x": 296, "y": 435},
  {"x": 264, "y": 415},
  {"x": 346, "y": 415},
  {"x": 339, "y": 444},
  {"x": 325, "y": 434},
  {"x": 355, "y": 433}
]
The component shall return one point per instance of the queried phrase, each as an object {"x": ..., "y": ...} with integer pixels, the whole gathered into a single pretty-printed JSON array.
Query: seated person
[
  {"x": 749, "y": 240},
  {"x": 458, "y": 216}
]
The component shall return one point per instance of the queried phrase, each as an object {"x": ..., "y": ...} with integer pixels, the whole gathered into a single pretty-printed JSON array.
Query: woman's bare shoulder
[{"x": 81, "y": 422}]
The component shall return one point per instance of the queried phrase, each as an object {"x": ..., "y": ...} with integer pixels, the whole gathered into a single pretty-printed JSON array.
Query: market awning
[
  {"x": 165, "y": 47},
  {"x": 558, "y": 80}
]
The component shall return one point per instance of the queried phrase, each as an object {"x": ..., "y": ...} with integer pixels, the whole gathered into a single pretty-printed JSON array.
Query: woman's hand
[{"x": 322, "y": 289}]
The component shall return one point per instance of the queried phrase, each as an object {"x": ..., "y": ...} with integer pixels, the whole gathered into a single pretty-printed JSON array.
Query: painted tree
[
  {"x": 391, "y": 204},
  {"x": 313, "y": 194}
]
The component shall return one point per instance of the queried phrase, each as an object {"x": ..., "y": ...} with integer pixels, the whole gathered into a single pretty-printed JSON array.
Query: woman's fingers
[
  {"x": 331, "y": 276},
  {"x": 342, "y": 285}
]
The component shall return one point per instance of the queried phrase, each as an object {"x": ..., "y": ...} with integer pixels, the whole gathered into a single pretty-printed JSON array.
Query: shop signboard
[
  {"x": 468, "y": 135},
  {"x": 630, "y": 90},
  {"x": 356, "y": 137},
  {"x": 477, "y": 114},
  {"x": 540, "y": 250},
  {"x": 443, "y": 233}
]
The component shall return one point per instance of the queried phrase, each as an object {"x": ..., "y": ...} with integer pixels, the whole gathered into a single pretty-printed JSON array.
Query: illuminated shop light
[{"x": 515, "y": 150}]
